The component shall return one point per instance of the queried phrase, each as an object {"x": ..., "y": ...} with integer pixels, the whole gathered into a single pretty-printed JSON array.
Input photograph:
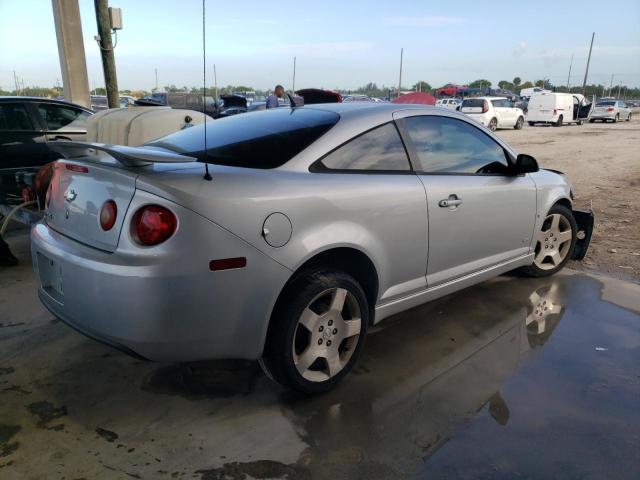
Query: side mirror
[{"x": 525, "y": 164}]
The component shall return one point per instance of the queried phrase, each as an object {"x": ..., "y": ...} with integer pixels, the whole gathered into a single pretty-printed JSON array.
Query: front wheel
[
  {"x": 629, "y": 118},
  {"x": 554, "y": 242},
  {"x": 519, "y": 123},
  {"x": 493, "y": 124},
  {"x": 317, "y": 331},
  {"x": 559, "y": 122}
]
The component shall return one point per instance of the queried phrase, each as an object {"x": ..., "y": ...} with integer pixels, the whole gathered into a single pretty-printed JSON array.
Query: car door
[
  {"x": 22, "y": 148},
  {"x": 63, "y": 122},
  {"x": 480, "y": 214}
]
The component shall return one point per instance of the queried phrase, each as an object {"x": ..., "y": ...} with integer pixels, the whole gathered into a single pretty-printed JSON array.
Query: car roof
[{"x": 42, "y": 100}]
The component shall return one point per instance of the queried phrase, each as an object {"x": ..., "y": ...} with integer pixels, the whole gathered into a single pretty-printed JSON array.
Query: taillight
[
  {"x": 47, "y": 199},
  {"x": 76, "y": 168},
  {"x": 108, "y": 214},
  {"x": 153, "y": 224},
  {"x": 485, "y": 106},
  {"x": 610, "y": 109}
]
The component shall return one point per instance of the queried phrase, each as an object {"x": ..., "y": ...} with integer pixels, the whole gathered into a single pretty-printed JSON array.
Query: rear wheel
[
  {"x": 317, "y": 331},
  {"x": 617, "y": 118},
  {"x": 554, "y": 243},
  {"x": 531, "y": 124},
  {"x": 579, "y": 122},
  {"x": 629, "y": 118},
  {"x": 559, "y": 122},
  {"x": 519, "y": 123},
  {"x": 591, "y": 120},
  {"x": 493, "y": 124}
]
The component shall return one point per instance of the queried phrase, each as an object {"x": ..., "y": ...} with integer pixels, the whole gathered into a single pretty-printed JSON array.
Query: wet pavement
[{"x": 512, "y": 378}]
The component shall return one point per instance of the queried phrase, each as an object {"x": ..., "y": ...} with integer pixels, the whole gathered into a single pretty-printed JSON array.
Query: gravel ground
[{"x": 602, "y": 162}]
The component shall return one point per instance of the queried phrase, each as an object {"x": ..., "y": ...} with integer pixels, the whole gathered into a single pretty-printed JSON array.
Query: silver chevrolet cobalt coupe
[{"x": 311, "y": 225}]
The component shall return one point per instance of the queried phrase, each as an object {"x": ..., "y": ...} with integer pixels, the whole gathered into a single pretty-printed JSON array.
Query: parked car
[
  {"x": 557, "y": 108},
  {"x": 450, "y": 103},
  {"x": 291, "y": 254},
  {"x": 28, "y": 127},
  {"x": 357, "y": 98},
  {"x": 182, "y": 100},
  {"x": 99, "y": 102},
  {"x": 610, "y": 110},
  {"x": 493, "y": 112}
]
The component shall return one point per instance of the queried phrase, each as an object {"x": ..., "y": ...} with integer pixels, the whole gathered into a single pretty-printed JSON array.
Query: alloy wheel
[
  {"x": 327, "y": 334},
  {"x": 553, "y": 242},
  {"x": 493, "y": 125}
]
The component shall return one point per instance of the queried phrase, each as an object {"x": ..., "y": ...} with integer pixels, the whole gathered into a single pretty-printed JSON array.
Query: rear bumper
[
  {"x": 166, "y": 306},
  {"x": 602, "y": 116}
]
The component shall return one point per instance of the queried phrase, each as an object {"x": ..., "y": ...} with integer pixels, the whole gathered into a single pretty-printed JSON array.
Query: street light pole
[
  {"x": 400, "y": 79},
  {"x": 294, "y": 75}
]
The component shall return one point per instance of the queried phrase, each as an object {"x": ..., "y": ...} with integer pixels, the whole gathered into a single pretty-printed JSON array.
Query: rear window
[
  {"x": 473, "y": 103},
  {"x": 265, "y": 139},
  {"x": 605, "y": 104}
]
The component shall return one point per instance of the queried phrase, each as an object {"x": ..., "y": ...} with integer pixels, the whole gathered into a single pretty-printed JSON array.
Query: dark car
[
  {"x": 188, "y": 101},
  {"x": 27, "y": 127}
]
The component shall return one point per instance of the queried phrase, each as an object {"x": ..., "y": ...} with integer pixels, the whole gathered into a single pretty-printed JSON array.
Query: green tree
[
  {"x": 422, "y": 86},
  {"x": 480, "y": 83},
  {"x": 517, "y": 81},
  {"x": 505, "y": 85},
  {"x": 99, "y": 91},
  {"x": 526, "y": 84}
]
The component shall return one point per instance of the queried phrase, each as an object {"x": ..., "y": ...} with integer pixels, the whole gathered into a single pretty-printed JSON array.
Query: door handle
[{"x": 452, "y": 202}]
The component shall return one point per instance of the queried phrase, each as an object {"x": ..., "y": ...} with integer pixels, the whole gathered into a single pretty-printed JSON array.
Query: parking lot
[{"x": 543, "y": 362}]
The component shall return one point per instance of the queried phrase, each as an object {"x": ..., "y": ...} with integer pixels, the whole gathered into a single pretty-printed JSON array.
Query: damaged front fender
[{"x": 585, "y": 221}]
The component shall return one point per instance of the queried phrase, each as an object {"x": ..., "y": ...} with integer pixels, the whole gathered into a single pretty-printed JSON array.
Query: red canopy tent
[{"x": 420, "y": 98}]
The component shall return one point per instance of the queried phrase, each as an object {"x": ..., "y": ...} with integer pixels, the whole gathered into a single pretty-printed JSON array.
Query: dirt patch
[
  {"x": 601, "y": 163},
  {"x": 259, "y": 469},
  {"x": 46, "y": 412},
  {"x": 6, "y": 433}
]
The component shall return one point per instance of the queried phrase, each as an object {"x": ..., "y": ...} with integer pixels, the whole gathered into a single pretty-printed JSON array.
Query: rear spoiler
[{"x": 128, "y": 156}]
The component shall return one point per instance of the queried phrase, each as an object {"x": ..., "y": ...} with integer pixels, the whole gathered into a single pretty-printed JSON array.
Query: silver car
[
  {"x": 610, "y": 110},
  {"x": 285, "y": 234}
]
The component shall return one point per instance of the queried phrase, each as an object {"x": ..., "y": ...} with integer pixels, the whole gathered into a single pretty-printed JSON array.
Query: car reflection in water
[{"x": 431, "y": 370}]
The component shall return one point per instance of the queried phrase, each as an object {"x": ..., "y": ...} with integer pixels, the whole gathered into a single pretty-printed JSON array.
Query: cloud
[
  {"x": 425, "y": 21},
  {"x": 520, "y": 49},
  {"x": 321, "y": 49}
]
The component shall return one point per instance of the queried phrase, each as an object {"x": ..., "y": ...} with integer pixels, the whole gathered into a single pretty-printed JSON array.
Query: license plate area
[{"x": 50, "y": 273}]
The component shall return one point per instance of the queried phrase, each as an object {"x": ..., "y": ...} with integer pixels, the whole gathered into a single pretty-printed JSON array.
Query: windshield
[
  {"x": 473, "y": 102},
  {"x": 265, "y": 139},
  {"x": 605, "y": 104}
]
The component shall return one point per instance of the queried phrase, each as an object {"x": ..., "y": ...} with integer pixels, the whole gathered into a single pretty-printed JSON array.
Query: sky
[{"x": 337, "y": 44}]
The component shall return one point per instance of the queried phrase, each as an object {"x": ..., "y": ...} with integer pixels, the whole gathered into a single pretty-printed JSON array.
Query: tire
[
  {"x": 493, "y": 124},
  {"x": 307, "y": 338},
  {"x": 557, "y": 255},
  {"x": 629, "y": 118},
  {"x": 591, "y": 120},
  {"x": 579, "y": 123},
  {"x": 617, "y": 118},
  {"x": 519, "y": 123},
  {"x": 559, "y": 122},
  {"x": 531, "y": 124}
]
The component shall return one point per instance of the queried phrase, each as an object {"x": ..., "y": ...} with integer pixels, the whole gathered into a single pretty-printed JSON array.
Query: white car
[
  {"x": 450, "y": 103},
  {"x": 493, "y": 112},
  {"x": 610, "y": 111}
]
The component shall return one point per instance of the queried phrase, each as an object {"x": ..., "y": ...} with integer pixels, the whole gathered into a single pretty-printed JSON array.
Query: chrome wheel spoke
[
  {"x": 337, "y": 302},
  {"x": 555, "y": 223},
  {"x": 556, "y": 258},
  {"x": 564, "y": 237},
  {"x": 541, "y": 256},
  {"x": 333, "y": 362},
  {"x": 309, "y": 319},
  {"x": 351, "y": 328},
  {"x": 306, "y": 359}
]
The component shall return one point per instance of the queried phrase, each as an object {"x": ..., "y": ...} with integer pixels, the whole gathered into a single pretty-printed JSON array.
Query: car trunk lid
[{"x": 90, "y": 176}]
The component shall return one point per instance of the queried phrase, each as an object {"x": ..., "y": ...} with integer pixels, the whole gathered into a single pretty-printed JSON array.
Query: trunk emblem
[{"x": 71, "y": 195}]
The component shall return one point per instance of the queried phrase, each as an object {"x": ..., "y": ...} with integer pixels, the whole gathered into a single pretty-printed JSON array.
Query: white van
[{"x": 557, "y": 108}]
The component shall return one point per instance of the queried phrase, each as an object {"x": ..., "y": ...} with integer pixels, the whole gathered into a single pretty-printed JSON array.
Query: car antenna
[
  {"x": 207, "y": 175},
  {"x": 292, "y": 102}
]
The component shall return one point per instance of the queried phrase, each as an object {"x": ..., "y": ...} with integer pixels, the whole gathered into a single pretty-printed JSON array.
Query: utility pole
[
  {"x": 400, "y": 79},
  {"x": 293, "y": 88},
  {"x": 156, "y": 89},
  {"x": 73, "y": 64},
  {"x": 586, "y": 72},
  {"x": 569, "y": 76},
  {"x": 103, "y": 21},
  {"x": 610, "y": 85},
  {"x": 618, "y": 94},
  {"x": 215, "y": 83},
  {"x": 15, "y": 81}
]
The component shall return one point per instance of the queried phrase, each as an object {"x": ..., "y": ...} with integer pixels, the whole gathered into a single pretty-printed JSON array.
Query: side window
[
  {"x": 61, "y": 118},
  {"x": 380, "y": 149},
  {"x": 14, "y": 116},
  {"x": 497, "y": 103},
  {"x": 448, "y": 145}
]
